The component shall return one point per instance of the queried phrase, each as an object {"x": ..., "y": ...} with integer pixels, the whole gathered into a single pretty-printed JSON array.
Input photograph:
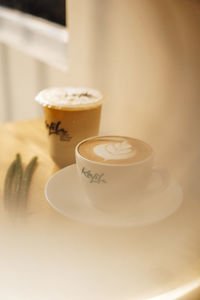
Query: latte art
[{"x": 115, "y": 150}]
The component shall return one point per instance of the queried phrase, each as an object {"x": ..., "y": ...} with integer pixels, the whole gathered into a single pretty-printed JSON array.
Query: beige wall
[{"x": 144, "y": 55}]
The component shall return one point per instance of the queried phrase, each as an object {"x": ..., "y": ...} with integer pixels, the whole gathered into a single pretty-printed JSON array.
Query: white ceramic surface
[
  {"x": 64, "y": 193},
  {"x": 110, "y": 186}
]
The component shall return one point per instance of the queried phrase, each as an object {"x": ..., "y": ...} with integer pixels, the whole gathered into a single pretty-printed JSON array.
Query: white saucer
[{"x": 64, "y": 193}]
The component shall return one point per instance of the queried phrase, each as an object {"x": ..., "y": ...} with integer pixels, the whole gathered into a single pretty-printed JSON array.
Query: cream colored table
[{"x": 44, "y": 255}]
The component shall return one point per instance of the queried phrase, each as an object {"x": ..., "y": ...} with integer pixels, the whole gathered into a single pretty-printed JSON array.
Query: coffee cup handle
[{"x": 165, "y": 177}]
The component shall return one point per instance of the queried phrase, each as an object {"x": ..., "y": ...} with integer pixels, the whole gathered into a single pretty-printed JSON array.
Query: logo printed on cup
[
  {"x": 94, "y": 178},
  {"x": 54, "y": 128}
]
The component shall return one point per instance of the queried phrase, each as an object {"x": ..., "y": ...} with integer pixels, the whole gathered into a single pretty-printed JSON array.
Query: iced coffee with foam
[{"x": 71, "y": 115}]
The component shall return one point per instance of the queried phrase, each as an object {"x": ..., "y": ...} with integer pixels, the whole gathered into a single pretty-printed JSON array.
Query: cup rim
[
  {"x": 44, "y": 104},
  {"x": 112, "y": 165}
]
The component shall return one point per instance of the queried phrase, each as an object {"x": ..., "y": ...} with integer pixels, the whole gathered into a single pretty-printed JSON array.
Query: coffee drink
[
  {"x": 115, "y": 150},
  {"x": 112, "y": 169},
  {"x": 71, "y": 115}
]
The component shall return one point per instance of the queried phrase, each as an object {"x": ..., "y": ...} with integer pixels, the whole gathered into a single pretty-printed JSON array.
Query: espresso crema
[
  {"x": 115, "y": 150},
  {"x": 69, "y": 98}
]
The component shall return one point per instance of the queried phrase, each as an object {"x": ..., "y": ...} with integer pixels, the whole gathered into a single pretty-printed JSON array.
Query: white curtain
[{"x": 144, "y": 56}]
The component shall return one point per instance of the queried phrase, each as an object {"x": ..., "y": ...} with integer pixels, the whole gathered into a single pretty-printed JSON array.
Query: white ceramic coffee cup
[{"x": 113, "y": 187}]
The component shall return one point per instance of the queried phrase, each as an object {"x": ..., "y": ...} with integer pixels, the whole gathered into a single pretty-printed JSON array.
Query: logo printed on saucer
[
  {"x": 94, "y": 178},
  {"x": 54, "y": 128}
]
